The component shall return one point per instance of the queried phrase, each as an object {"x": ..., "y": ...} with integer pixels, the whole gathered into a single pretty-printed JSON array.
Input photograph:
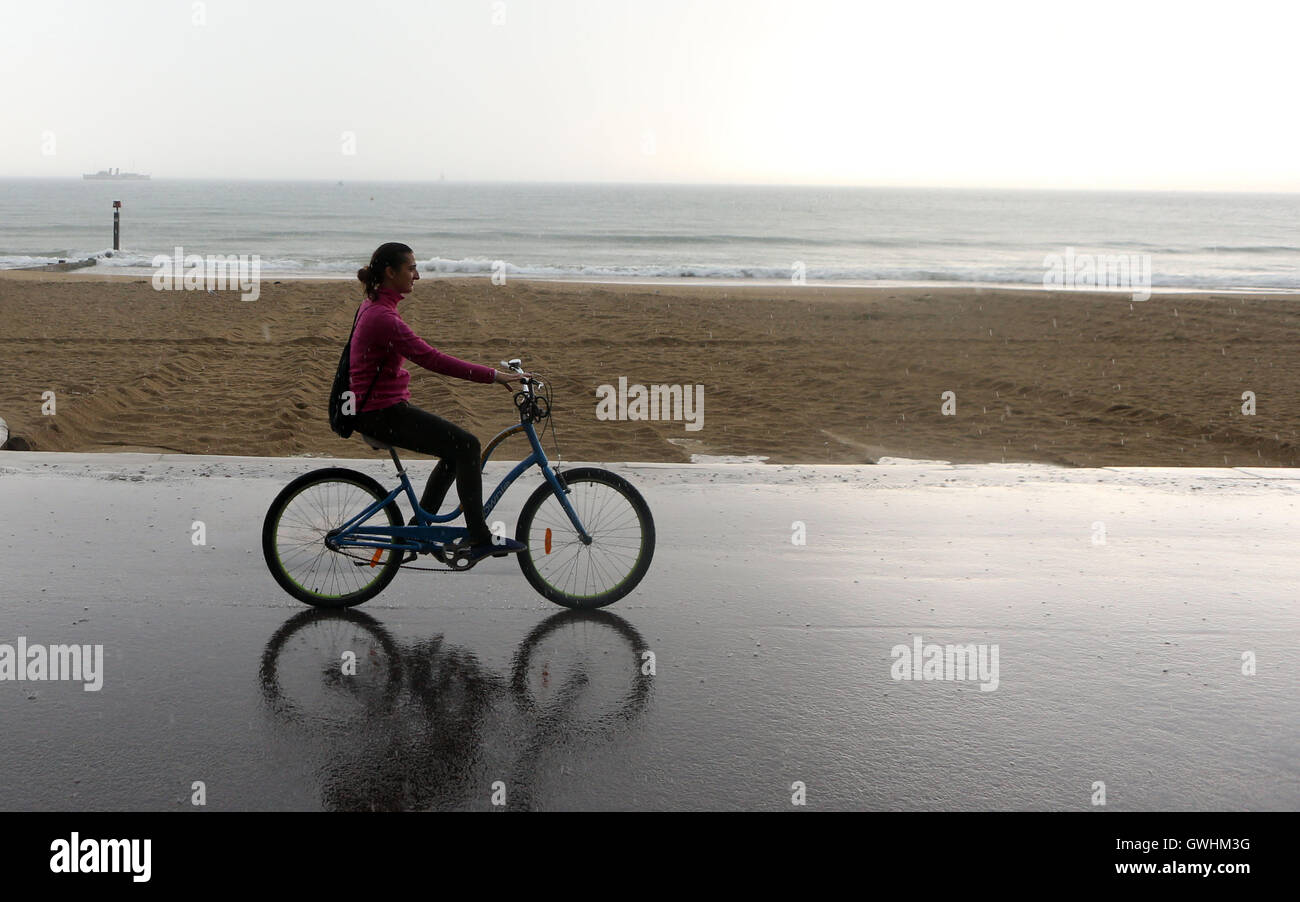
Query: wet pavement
[{"x": 1125, "y": 606}]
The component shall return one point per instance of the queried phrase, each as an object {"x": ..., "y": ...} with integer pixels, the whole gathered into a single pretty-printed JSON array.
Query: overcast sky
[{"x": 1133, "y": 94}]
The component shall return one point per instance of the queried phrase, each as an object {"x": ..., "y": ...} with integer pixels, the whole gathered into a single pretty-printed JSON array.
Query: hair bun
[{"x": 363, "y": 274}]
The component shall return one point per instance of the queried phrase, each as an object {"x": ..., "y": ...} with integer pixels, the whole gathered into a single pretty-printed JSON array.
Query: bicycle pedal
[{"x": 460, "y": 563}]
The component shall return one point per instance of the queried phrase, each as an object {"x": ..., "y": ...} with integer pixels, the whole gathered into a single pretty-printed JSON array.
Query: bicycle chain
[{"x": 366, "y": 562}]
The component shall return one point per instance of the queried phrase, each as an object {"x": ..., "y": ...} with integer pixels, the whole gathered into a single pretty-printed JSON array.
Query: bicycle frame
[{"x": 427, "y": 536}]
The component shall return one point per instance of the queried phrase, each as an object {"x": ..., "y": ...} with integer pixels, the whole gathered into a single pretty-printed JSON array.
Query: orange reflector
[
  {"x": 378, "y": 554},
  {"x": 548, "y": 540}
]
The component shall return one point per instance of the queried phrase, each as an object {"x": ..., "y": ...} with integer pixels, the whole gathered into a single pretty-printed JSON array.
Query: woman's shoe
[{"x": 496, "y": 548}]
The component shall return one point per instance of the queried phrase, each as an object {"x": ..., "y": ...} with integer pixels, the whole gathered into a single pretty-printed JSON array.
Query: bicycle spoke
[
  {"x": 617, "y": 534},
  {"x": 300, "y": 545}
]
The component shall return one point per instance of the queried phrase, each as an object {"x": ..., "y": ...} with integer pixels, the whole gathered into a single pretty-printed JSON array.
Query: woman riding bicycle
[{"x": 379, "y": 344}]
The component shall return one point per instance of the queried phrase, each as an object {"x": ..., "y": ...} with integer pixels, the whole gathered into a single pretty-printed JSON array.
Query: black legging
[{"x": 405, "y": 426}]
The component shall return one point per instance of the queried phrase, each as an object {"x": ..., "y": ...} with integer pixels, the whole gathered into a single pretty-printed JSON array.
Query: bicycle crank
[{"x": 455, "y": 555}]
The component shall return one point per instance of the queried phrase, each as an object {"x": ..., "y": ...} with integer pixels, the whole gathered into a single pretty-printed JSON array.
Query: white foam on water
[{"x": 132, "y": 262}]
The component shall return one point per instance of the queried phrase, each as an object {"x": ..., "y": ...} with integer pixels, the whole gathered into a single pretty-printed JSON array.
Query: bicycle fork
[
  {"x": 538, "y": 458},
  {"x": 562, "y": 492}
]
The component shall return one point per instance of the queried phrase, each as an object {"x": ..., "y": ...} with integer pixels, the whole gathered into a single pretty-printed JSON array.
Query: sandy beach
[{"x": 798, "y": 374}]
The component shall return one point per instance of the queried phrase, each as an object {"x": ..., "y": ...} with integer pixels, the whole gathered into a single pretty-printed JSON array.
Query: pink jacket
[{"x": 382, "y": 335}]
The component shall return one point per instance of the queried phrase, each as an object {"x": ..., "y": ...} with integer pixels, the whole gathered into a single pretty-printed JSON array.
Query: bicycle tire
[
  {"x": 566, "y": 565},
  {"x": 340, "y": 566}
]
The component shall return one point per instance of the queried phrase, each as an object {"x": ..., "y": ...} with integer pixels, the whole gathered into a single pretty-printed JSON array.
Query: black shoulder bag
[{"x": 342, "y": 423}]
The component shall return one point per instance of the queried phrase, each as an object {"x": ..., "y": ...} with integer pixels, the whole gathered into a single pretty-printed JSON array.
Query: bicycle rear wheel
[
  {"x": 560, "y": 566},
  {"x": 294, "y": 532}
]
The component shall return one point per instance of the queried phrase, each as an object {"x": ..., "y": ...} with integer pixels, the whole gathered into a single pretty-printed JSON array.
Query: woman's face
[{"x": 403, "y": 279}]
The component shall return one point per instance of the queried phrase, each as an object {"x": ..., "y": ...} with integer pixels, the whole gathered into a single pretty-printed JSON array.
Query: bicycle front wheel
[
  {"x": 297, "y": 524},
  {"x": 573, "y": 574}
]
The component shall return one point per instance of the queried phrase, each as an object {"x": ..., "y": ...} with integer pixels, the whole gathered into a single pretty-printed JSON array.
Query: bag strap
[{"x": 379, "y": 366}]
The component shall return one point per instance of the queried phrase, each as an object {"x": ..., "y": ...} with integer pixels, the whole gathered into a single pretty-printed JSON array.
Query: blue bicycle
[{"x": 589, "y": 533}]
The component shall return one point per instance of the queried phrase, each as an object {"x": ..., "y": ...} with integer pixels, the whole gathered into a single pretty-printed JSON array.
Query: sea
[{"x": 655, "y": 232}]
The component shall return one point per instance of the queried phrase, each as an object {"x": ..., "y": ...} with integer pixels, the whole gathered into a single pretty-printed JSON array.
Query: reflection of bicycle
[
  {"x": 304, "y": 679},
  {"x": 427, "y": 725},
  {"x": 589, "y": 533}
]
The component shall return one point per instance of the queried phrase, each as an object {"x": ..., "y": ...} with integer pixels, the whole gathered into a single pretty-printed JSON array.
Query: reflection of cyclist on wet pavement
[
  {"x": 430, "y": 757},
  {"x": 381, "y": 341},
  {"x": 431, "y": 726}
]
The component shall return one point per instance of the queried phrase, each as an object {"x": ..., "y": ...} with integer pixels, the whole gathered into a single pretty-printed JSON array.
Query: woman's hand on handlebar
[{"x": 506, "y": 378}]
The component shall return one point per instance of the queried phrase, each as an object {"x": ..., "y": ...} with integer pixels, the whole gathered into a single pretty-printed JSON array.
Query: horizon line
[{"x": 701, "y": 184}]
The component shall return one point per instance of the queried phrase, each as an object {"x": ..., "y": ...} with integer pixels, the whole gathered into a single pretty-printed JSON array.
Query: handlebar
[
  {"x": 516, "y": 365},
  {"x": 533, "y": 406}
]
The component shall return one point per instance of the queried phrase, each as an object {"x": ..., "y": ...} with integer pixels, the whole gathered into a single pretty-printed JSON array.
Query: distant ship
[{"x": 114, "y": 175}]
